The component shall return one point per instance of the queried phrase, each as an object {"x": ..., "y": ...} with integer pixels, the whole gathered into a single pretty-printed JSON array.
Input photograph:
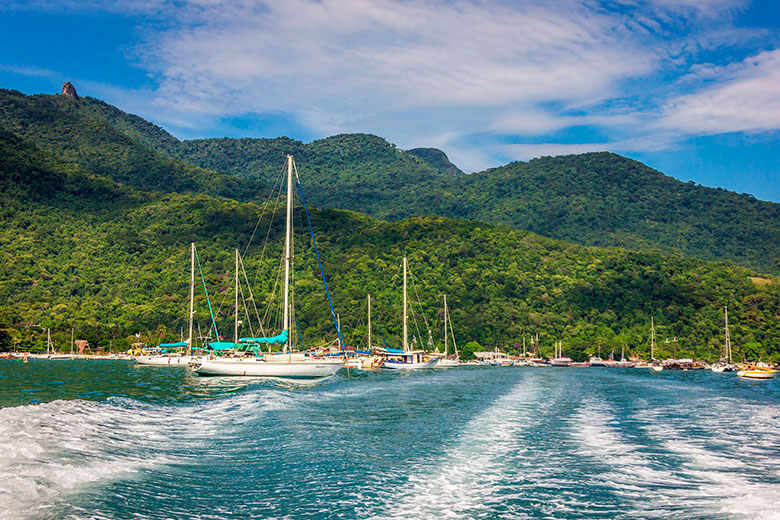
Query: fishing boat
[
  {"x": 405, "y": 359},
  {"x": 290, "y": 365},
  {"x": 448, "y": 361}
]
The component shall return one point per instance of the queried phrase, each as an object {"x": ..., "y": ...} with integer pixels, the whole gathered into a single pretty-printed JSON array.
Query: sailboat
[
  {"x": 558, "y": 359},
  {"x": 725, "y": 364},
  {"x": 51, "y": 352},
  {"x": 171, "y": 354},
  {"x": 285, "y": 366},
  {"x": 406, "y": 359},
  {"x": 445, "y": 361},
  {"x": 655, "y": 366}
]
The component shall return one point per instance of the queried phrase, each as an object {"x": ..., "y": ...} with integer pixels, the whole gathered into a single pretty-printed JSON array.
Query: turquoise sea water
[{"x": 110, "y": 440}]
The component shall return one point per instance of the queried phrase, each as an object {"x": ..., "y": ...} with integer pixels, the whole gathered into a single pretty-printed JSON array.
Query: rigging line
[
  {"x": 414, "y": 286},
  {"x": 378, "y": 322},
  {"x": 224, "y": 297},
  {"x": 317, "y": 251},
  {"x": 213, "y": 321},
  {"x": 272, "y": 299},
  {"x": 251, "y": 297},
  {"x": 265, "y": 205},
  {"x": 270, "y": 226},
  {"x": 246, "y": 310},
  {"x": 452, "y": 332},
  {"x": 414, "y": 318}
]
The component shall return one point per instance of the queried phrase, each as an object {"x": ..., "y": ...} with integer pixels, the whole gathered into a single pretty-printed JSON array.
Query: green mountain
[
  {"x": 437, "y": 159},
  {"x": 598, "y": 199},
  {"x": 104, "y": 141},
  {"x": 81, "y": 250}
]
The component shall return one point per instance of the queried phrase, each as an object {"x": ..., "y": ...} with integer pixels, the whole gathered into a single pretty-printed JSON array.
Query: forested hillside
[
  {"x": 594, "y": 199},
  {"x": 113, "y": 261},
  {"x": 77, "y": 131}
]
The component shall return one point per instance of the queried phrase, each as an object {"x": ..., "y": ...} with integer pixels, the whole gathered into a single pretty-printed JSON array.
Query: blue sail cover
[
  {"x": 221, "y": 345},
  {"x": 173, "y": 345},
  {"x": 281, "y": 339}
]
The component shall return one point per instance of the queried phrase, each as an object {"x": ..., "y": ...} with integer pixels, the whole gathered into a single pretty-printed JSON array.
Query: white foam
[
  {"x": 469, "y": 478},
  {"x": 701, "y": 464},
  {"x": 53, "y": 450}
]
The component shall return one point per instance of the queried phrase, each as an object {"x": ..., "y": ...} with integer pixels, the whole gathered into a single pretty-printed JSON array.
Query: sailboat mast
[
  {"x": 728, "y": 334},
  {"x": 287, "y": 239},
  {"x": 192, "y": 295},
  {"x": 235, "y": 326},
  {"x": 48, "y": 339},
  {"x": 406, "y": 331},
  {"x": 445, "y": 324},
  {"x": 652, "y": 339},
  {"x": 369, "y": 323},
  {"x": 338, "y": 324}
]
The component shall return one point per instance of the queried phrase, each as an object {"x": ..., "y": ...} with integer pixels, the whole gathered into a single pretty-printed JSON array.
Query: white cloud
[
  {"x": 743, "y": 98},
  {"x": 436, "y": 72},
  {"x": 36, "y": 72},
  {"x": 355, "y": 59}
]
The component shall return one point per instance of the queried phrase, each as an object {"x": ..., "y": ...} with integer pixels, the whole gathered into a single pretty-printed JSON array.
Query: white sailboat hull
[
  {"x": 296, "y": 369},
  {"x": 395, "y": 365},
  {"x": 448, "y": 363},
  {"x": 165, "y": 360}
]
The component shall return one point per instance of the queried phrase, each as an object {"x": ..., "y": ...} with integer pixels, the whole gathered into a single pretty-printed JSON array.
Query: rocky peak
[{"x": 69, "y": 90}]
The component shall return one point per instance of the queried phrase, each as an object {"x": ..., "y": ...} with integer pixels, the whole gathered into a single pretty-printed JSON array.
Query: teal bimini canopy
[
  {"x": 221, "y": 345},
  {"x": 393, "y": 351},
  {"x": 281, "y": 339},
  {"x": 173, "y": 345}
]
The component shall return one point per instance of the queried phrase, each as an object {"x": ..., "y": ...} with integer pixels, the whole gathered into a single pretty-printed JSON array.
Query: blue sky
[{"x": 690, "y": 87}]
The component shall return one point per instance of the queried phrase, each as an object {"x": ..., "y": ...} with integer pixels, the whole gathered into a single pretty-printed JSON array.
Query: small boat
[
  {"x": 446, "y": 361},
  {"x": 396, "y": 359},
  {"x": 721, "y": 367},
  {"x": 179, "y": 353},
  {"x": 405, "y": 359},
  {"x": 558, "y": 359},
  {"x": 165, "y": 359},
  {"x": 755, "y": 372},
  {"x": 725, "y": 364},
  {"x": 596, "y": 361}
]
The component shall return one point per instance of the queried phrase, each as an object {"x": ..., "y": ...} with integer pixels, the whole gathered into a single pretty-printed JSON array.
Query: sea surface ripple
[{"x": 110, "y": 440}]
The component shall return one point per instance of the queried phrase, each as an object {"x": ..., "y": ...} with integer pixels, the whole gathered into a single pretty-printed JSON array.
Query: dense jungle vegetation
[
  {"x": 598, "y": 199},
  {"x": 112, "y": 260}
]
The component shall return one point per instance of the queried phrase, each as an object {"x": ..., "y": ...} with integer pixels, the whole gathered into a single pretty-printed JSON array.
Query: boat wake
[{"x": 55, "y": 452}]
